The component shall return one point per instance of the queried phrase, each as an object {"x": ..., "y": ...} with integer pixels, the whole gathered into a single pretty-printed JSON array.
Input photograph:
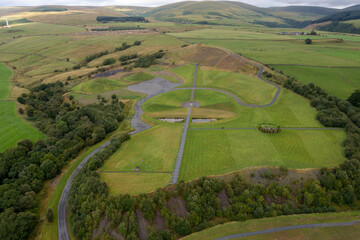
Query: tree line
[{"x": 69, "y": 128}]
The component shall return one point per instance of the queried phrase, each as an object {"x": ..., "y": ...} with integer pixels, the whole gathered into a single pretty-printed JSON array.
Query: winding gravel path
[{"x": 279, "y": 229}]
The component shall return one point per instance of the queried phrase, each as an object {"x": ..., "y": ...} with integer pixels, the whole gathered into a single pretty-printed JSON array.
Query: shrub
[
  {"x": 308, "y": 41},
  {"x": 108, "y": 61},
  {"x": 50, "y": 215}
]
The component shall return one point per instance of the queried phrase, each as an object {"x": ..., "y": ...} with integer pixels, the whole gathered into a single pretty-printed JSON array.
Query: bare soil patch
[
  {"x": 178, "y": 206},
  {"x": 143, "y": 225},
  {"x": 159, "y": 222},
  {"x": 224, "y": 199}
]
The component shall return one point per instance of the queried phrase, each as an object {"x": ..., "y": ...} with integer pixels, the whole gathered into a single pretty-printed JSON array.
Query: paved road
[
  {"x": 249, "y": 128},
  {"x": 279, "y": 229},
  {"x": 184, "y": 133},
  {"x": 63, "y": 231}
]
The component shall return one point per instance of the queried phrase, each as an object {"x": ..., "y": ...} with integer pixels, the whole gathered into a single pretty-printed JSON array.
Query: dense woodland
[
  {"x": 120, "y": 19},
  {"x": 340, "y": 27},
  {"x": 210, "y": 201},
  {"x": 69, "y": 128}
]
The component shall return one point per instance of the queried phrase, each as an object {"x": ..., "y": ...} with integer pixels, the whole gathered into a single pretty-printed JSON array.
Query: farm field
[
  {"x": 332, "y": 233},
  {"x": 12, "y": 128},
  {"x": 341, "y": 82},
  {"x": 212, "y": 152},
  {"x": 249, "y": 89}
]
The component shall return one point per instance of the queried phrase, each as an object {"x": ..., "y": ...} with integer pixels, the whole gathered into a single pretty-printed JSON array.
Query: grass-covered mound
[
  {"x": 139, "y": 77},
  {"x": 98, "y": 85}
]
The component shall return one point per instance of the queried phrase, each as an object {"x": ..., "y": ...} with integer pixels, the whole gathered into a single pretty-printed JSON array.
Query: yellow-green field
[{"x": 332, "y": 233}]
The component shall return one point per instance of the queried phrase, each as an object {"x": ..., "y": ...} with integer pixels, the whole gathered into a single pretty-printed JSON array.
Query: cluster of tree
[
  {"x": 308, "y": 41},
  {"x": 123, "y": 47},
  {"x": 95, "y": 56},
  {"x": 23, "y": 169},
  {"x": 128, "y": 57},
  {"x": 109, "y": 61},
  {"x": 120, "y": 19},
  {"x": 354, "y": 99},
  {"x": 148, "y": 60},
  {"x": 340, "y": 27}
]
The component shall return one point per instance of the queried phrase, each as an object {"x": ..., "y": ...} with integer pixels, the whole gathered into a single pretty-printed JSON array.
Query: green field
[
  {"x": 139, "y": 76},
  {"x": 5, "y": 75},
  {"x": 249, "y": 89},
  {"x": 185, "y": 72},
  {"x": 167, "y": 104},
  {"x": 213, "y": 152},
  {"x": 12, "y": 128},
  {"x": 341, "y": 82},
  {"x": 332, "y": 233},
  {"x": 98, "y": 85},
  {"x": 290, "y": 110},
  {"x": 151, "y": 150},
  {"x": 135, "y": 183}
]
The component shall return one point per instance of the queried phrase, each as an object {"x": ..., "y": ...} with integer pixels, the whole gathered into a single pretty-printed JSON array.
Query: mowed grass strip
[
  {"x": 134, "y": 183},
  {"x": 151, "y": 150},
  {"x": 139, "y": 77},
  {"x": 167, "y": 104},
  {"x": 281, "y": 221},
  {"x": 98, "y": 85},
  {"x": 186, "y": 72},
  {"x": 13, "y": 128},
  {"x": 341, "y": 82},
  {"x": 5, "y": 75},
  {"x": 248, "y": 88},
  {"x": 290, "y": 110},
  {"x": 213, "y": 152}
]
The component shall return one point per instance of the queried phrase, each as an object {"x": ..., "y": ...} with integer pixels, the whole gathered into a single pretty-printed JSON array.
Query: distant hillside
[
  {"x": 211, "y": 12},
  {"x": 341, "y": 16},
  {"x": 355, "y": 7},
  {"x": 307, "y": 10}
]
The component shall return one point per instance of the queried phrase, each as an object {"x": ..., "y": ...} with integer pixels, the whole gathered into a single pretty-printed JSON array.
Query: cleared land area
[
  {"x": 12, "y": 128},
  {"x": 248, "y": 88},
  {"x": 333, "y": 233},
  {"x": 212, "y": 152},
  {"x": 341, "y": 82}
]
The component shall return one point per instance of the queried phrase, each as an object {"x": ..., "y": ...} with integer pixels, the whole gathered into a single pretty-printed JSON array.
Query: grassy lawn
[
  {"x": 186, "y": 72},
  {"x": 12, "y": 128},
  {"x": 212, "y": 152},
  {"x": 333, "y": 233},
  {"x": 5, "y": 75},
  {"x": 290, "y": 110},
  {"x": 341, "y": 82},
  {"x": 134, "y": 183},
  {"x": 151, "y": 150},
  {"x": 248, "y": 88},
  {"x": 98, "y": 85},
  {"x": 139, "y": 76},
  {"x": 167, "y": 104}
]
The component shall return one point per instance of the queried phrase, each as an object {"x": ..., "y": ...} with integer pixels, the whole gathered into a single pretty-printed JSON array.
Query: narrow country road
[{"x": 279, "y": 229}]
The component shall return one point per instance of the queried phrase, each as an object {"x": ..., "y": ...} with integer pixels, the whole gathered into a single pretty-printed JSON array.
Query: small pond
[
  {"x": 203, "y": 120},
  {"x": 172, "y": 120}
]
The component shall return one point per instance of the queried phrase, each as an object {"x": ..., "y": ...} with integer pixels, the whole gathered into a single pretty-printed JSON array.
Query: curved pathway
[{"x": 279, "y": 229}]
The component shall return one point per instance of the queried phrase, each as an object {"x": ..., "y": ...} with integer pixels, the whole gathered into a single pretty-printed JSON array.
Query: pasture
[
  {"x": 186, "y": 73},
  {"x": 340, "y": 82},
  {"x": 332, "y": 233},
  {"x": 214, "y": 152}
]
